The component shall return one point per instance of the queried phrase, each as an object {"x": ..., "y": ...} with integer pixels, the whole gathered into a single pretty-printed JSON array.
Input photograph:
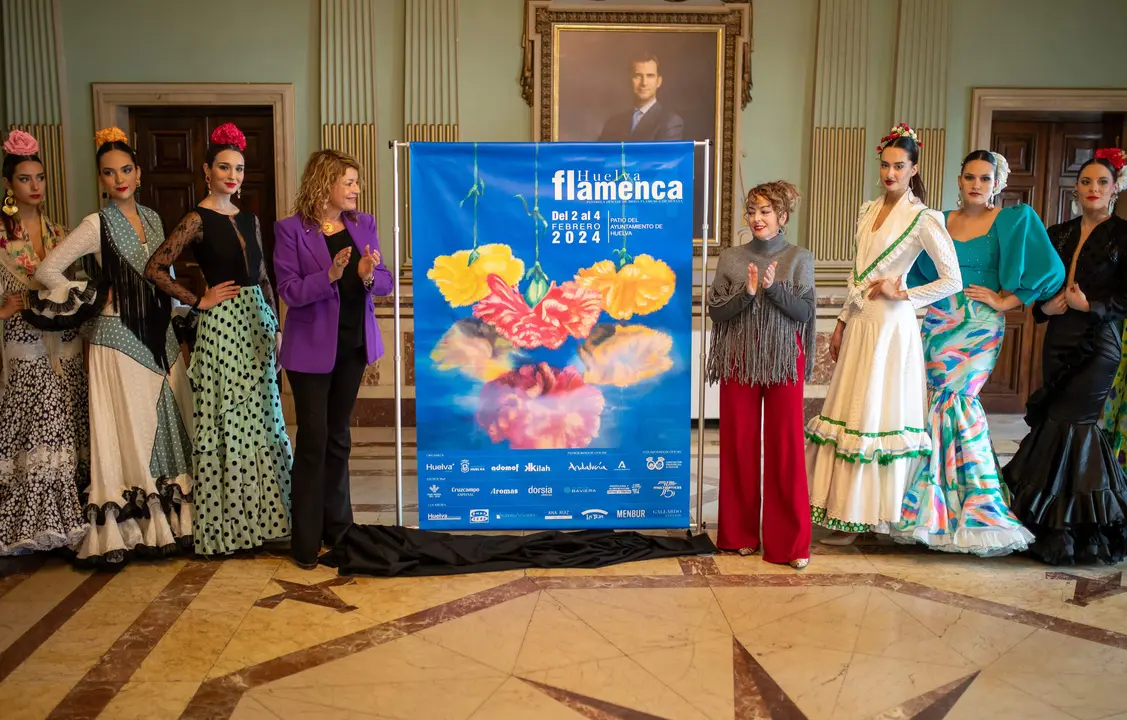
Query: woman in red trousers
[{"x": 762, "y": 308}]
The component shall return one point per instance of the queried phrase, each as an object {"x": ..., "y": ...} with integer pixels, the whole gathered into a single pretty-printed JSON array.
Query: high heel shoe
[
  {"x": 800, "y": 564},
  {"x": 747, "y": 551}
]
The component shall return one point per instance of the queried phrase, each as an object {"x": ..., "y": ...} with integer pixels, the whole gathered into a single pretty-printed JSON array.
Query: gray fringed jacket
[{"x": 754, "y": 336}]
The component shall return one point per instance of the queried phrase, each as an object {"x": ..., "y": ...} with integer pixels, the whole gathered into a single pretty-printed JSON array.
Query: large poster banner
[{"x": 553, "y": 321}]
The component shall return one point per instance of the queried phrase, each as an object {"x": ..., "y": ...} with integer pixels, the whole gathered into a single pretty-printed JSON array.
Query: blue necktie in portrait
[{"x": 637, "y": 116}]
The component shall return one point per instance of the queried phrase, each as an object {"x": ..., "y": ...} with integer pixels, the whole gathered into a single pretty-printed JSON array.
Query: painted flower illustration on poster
[{"x": 545, "y": 353}]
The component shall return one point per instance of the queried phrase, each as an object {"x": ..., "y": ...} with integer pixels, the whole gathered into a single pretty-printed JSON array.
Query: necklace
[{"x": 327, "y": 227}]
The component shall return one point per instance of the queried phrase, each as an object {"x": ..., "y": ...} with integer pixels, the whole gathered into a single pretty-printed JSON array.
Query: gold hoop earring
[{"x": 10, "y": 208}]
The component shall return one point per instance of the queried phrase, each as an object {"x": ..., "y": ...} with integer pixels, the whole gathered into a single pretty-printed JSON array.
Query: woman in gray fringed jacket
[{"x": 762, "y": 309}]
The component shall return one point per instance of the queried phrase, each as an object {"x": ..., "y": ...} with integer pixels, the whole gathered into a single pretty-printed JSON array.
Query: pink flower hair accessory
[
  {"x": 228, "y": 134},
  {"x": 20, "y": 143}
]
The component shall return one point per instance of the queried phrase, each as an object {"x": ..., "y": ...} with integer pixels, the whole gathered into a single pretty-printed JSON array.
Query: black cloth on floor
[{"x": 399, "y": 551}]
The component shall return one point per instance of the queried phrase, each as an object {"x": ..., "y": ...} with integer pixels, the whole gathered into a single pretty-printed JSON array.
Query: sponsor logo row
[
  {"x": 484, "y": 515},
  {"x": 465, "y": 466},
  {"x": 665, "y": 489}
]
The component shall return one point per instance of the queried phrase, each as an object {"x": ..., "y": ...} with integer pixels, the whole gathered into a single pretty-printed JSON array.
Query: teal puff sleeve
[{"x": 1029, "y": 266}]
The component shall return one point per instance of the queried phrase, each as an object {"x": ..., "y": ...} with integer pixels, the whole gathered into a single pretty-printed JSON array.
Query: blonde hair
[
  {"x": 782, "y": 195},
  {"x": 322, "y": 171}
]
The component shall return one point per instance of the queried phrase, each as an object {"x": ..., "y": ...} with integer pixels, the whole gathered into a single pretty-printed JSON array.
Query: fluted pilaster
[
  {"x": 30, "y": 95},
  {"x": 920, "y": 89},
  {"x": 348, "y": 89},
  {"x": 838, "y": 156}
]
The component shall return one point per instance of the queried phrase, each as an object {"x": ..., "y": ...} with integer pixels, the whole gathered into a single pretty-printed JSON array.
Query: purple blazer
[{"x": 301, "y": 264}]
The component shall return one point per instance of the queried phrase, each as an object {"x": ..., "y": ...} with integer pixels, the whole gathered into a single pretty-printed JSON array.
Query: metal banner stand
[{"x": 394, "y": 146}]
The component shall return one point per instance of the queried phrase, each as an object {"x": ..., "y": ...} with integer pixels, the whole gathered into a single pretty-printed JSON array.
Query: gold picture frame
[{"x": 696, "y": 42}]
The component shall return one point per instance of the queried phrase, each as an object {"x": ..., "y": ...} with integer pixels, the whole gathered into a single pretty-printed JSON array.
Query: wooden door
[
  {"x": 171, "y": 143},
  {"x": 1045, "y": 152}
]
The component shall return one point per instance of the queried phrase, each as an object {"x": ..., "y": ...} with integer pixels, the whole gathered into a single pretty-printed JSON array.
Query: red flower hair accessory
[
  {"x": 228, "y": 134},
  {"x": 901, "y": 130},
  {"x": 1118, "y": 160}
]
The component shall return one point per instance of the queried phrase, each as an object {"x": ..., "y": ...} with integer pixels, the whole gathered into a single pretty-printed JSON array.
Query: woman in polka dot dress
[
  {"x": 242, "y": 453},
  {"x": 139, "y": 497}
]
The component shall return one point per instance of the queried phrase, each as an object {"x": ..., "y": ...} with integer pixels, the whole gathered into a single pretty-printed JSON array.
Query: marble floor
[{"x": 871, "y": 631}]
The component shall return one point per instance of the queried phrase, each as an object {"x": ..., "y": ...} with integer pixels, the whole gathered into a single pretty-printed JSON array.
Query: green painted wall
[
  {"x": 489, "y": 62},
  {"x": 1027, "y": 43},
  {"x": 197, "y": 41},
  {"x": 1007, "y": 43},
  {"x": 776, "y": 125}
]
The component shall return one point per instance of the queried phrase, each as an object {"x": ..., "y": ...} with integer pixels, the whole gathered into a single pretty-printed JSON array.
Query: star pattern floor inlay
[{"x": 873, "y": 631}]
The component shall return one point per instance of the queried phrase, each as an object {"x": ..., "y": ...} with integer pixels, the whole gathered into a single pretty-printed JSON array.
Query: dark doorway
[
  {"x": 171, "y": 142},
  {"x": 1045, "y": 151}
]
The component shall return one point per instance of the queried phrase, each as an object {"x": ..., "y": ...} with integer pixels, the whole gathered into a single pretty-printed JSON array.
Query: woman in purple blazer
[{"x": 328, "y": 266}]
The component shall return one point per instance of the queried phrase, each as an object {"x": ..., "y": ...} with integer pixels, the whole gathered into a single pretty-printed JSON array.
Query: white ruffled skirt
[{"x": 871, "y": 434}]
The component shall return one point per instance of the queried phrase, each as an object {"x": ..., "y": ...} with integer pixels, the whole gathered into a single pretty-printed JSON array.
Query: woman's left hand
[
  {"x": 887, "y": 288},
  {"x": 1076, "y": 298},
  {"x": 368, "y": 262},
  {"x": 984, "y": 295}
]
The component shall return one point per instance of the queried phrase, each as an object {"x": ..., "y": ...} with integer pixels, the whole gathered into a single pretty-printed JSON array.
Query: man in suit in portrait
[{"x": 649, "y": 119}]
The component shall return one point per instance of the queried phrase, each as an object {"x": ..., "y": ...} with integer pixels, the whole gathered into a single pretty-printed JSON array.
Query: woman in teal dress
[{"x": 956, "y": 501}]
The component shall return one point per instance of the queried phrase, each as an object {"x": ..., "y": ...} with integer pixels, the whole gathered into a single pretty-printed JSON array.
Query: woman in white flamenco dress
[{"x": 872, "y": 431}]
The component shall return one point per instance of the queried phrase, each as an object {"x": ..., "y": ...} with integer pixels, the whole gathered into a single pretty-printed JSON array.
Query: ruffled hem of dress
[
  {"x": 983, "y": 542},
  {"x": 854, "y": 446},
  {"x": 137, "y": 502},
  {"x": 820, "y": 516},
  {"x": 65, "y": 308},
  {"x": 45, "y": 541},
  {"x": 146, "y": 525},
  {"x": 1083, "y": 544}
]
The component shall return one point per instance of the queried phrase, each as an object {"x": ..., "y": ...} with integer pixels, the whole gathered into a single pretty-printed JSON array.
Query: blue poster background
[{"x": 553, "y": 326}]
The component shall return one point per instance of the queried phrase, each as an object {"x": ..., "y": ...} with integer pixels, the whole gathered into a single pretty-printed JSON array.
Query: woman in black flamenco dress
[{"x": 1066, "y": 485}]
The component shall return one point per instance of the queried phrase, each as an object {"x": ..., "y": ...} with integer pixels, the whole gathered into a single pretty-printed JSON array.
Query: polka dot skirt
[{"x": 242, "y": 453}]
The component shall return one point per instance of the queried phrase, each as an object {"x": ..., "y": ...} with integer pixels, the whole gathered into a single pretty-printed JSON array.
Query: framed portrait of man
[{"x": 644, "y": 76}]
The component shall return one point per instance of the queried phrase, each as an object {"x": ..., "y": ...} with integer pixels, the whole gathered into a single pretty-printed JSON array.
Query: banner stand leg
[
  {"x": 703, "y": 336},
  {"x": 394, "y": 146}
]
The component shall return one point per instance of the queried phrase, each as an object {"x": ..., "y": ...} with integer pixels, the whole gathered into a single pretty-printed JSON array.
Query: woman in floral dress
[{"x": 44, "y": 434}]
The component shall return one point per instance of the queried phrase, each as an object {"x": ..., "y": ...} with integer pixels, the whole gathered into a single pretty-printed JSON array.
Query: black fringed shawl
[{"x": 144, "y": 310}]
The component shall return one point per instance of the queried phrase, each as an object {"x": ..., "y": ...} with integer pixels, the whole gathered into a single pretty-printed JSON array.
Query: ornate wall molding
[
  {"x": 34, "y": 73},
  {"x": 348, "y": 89},
  {"x": 839, "y": 153},
  {"x": 430, "y": 86},
  {"x": 920, "y": 85}
]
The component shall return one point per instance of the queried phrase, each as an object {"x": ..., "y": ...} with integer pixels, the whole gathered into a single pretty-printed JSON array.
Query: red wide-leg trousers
[{"x": 764, "y": 422}]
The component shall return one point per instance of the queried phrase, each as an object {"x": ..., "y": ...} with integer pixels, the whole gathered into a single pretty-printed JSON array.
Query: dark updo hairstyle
[
  {"x": 984, "y": 156},
  {"x": 225, "y": 137},
  {"x": 213, "y": 150},
  {"x": 910, "y": 146},
  {"x": 114, "y": 145},
  {"x": 1105, "y": 163},
  {"x": 9, "y": 173}
]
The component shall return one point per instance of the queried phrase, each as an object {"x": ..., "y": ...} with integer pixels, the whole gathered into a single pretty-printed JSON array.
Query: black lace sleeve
[
  {"x": 263, "y": 276},
  {"x": 189, "y": 229}
]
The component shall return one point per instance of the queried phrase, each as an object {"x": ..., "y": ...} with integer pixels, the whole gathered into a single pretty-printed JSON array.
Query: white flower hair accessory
[
  {"x": 1001, "y": 172},
  {"x": 900, "y": 130}
]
